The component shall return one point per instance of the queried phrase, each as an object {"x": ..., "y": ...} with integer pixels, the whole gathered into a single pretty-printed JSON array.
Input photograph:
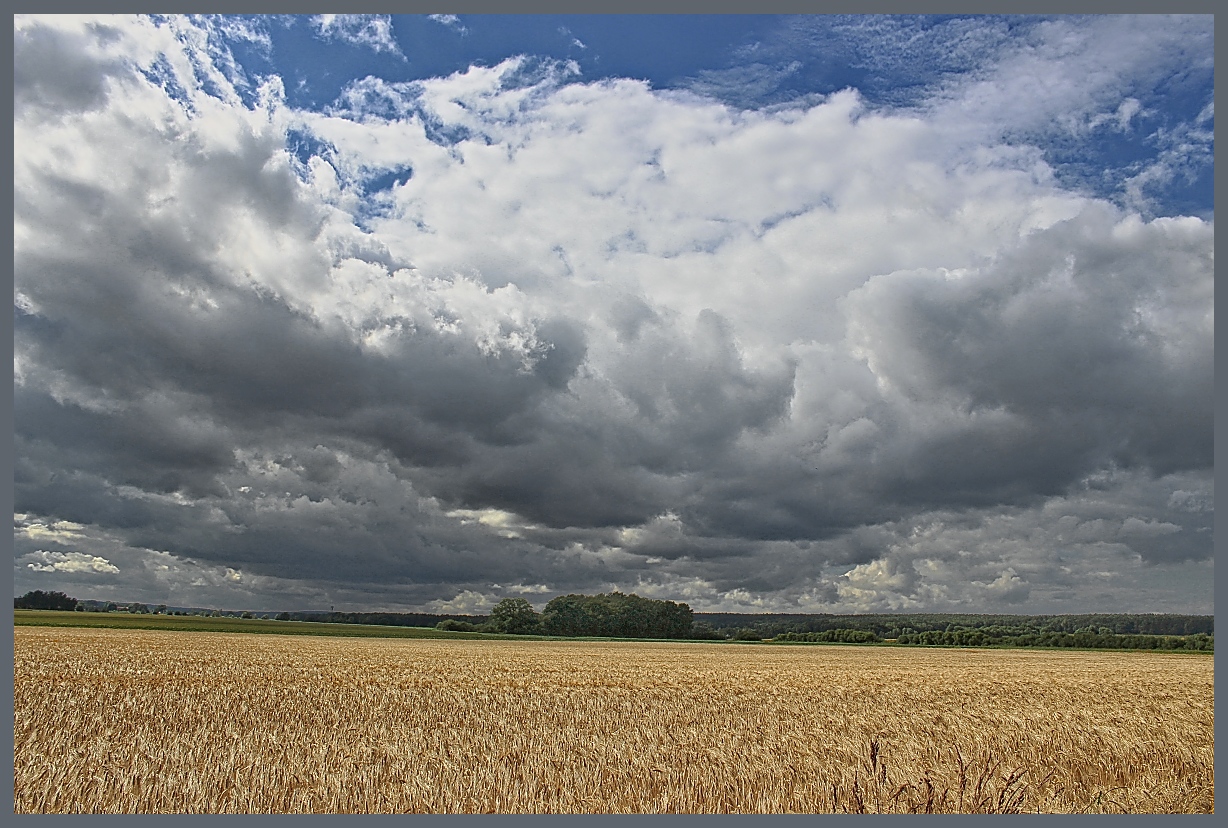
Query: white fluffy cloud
[
  {"x": 596, "y": 335},
  {"x": 75, "y": 562}
]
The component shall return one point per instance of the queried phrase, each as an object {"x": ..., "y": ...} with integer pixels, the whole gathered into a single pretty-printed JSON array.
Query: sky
[{"x": 760, "y": 313}]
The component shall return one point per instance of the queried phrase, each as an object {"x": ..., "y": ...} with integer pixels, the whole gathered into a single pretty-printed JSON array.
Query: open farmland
[
  {"x": 203, "y": 623},
  {"x": 112, "y": 721}
]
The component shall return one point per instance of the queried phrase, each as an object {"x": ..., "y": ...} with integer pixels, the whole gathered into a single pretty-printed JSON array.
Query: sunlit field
[{"x": 123, "y": 721}]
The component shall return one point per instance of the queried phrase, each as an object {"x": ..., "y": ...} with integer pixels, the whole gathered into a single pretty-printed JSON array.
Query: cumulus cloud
[
  {"x": 510, "y": 332},
  {"x": 466, "y": 602},
  {"x": 44, "y": 561}
]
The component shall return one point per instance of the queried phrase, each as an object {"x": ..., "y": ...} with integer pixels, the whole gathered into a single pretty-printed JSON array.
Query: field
[
  {"x": 123, "y": 721},
  {"x": 204, "y": 623}
]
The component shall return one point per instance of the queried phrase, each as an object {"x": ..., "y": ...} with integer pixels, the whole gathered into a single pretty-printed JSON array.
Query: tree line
[
  {"x": 1083, "y": 639},
  {"x": 893, "y": 626},
  {"x": 837, "y": 636},
  {"x": 37, "y": 599},
  {"x": 619, "y": 615}
]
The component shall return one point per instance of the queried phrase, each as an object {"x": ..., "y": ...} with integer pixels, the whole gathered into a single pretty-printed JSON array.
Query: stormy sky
[{"x": 790, "y": 314}]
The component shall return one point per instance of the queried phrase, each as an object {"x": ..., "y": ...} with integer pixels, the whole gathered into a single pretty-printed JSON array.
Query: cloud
[
  {"x": 1078, "y": 327},
  {"x": 508, "y": 332},
  {"x": 1186, "y": 151},
  {"x": 374, "y": 31},
  {"x": 1121, "y": 119},
  {"x": 1125, "y": 64},
  {"x": 467, "y": 602},
  {"x": 43, "y": 82},
  {"x": 1190, "y": 501},
  {"x": 1057, "y": 83},
  {"x": 76, "y": 562},
  {"x": 56, "y": 530},
  {"x": 575, "y": 41},
  {"x": 1066, "y": 71},
  {"x": 450, "y": 20}
]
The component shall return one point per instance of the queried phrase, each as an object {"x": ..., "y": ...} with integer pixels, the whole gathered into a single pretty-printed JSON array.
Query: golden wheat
[{"x": 111, "y": 721}]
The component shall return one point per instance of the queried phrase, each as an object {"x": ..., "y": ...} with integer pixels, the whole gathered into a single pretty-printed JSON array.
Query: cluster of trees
[
  {"x": 613, "y": 615},
  {"x": 37, "y": 599},
  {"x": 617, "y": 615},
  {"x": 1100, "y": 638},
  {"x": 1087, "y": 637},
  {"x": 133, "y": 607},
  {"x": 511, "y": 615},
  {"x": 893, "y": 626}
]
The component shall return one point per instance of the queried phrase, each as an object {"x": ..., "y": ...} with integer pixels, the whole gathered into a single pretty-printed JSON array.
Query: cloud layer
[{"x": 510, "y": 332}]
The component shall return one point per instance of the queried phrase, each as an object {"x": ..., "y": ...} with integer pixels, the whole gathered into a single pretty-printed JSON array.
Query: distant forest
[
  {"x": 616, "y": 615},
  {"x": 896, "y": 625}
]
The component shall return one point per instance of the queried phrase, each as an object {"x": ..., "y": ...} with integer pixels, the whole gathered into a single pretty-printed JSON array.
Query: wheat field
[{"x": 134, "y": 721}]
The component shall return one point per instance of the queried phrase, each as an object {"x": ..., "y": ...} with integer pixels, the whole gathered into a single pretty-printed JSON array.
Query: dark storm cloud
[
  {"x": 1073, "y": 341},
  {"x": 1005, "y": 385},
  {"x": 154, "y": 445},
  {"x": 136, "y": 309},
  {"x": 231, "y": 378}
]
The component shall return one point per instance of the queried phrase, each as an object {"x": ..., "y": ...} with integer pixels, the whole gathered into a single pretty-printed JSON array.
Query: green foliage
[
  {"x": 221, "y": 623},
  {"x": 452, "y": 625},
  {"x": 205, "y": 620},
  {"x": 841, "y": 636},
  {"x": 515, "y": 616},
  {"x": 37, "y": 599},
  {"x": 893, "y": 626},
  {"x": 702, "y": 631},
  {"x": 1084, "y": 638},
  {"x": 616, "y": 615},
  {"x": 383, "y": 619}
]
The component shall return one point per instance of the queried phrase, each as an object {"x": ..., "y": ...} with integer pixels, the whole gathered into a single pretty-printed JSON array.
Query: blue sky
[
  {"x": 755, "y": 61},
  {"x": 772, "y": 313}
]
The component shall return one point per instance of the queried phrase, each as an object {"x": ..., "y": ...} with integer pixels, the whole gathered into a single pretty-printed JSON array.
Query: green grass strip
[{"x": 202, "y": 623}]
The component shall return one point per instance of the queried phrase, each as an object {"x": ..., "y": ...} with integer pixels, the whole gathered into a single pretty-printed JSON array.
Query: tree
[
  {"x": 514, "y": 615},
  {"x": 565, "y": 615}
]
